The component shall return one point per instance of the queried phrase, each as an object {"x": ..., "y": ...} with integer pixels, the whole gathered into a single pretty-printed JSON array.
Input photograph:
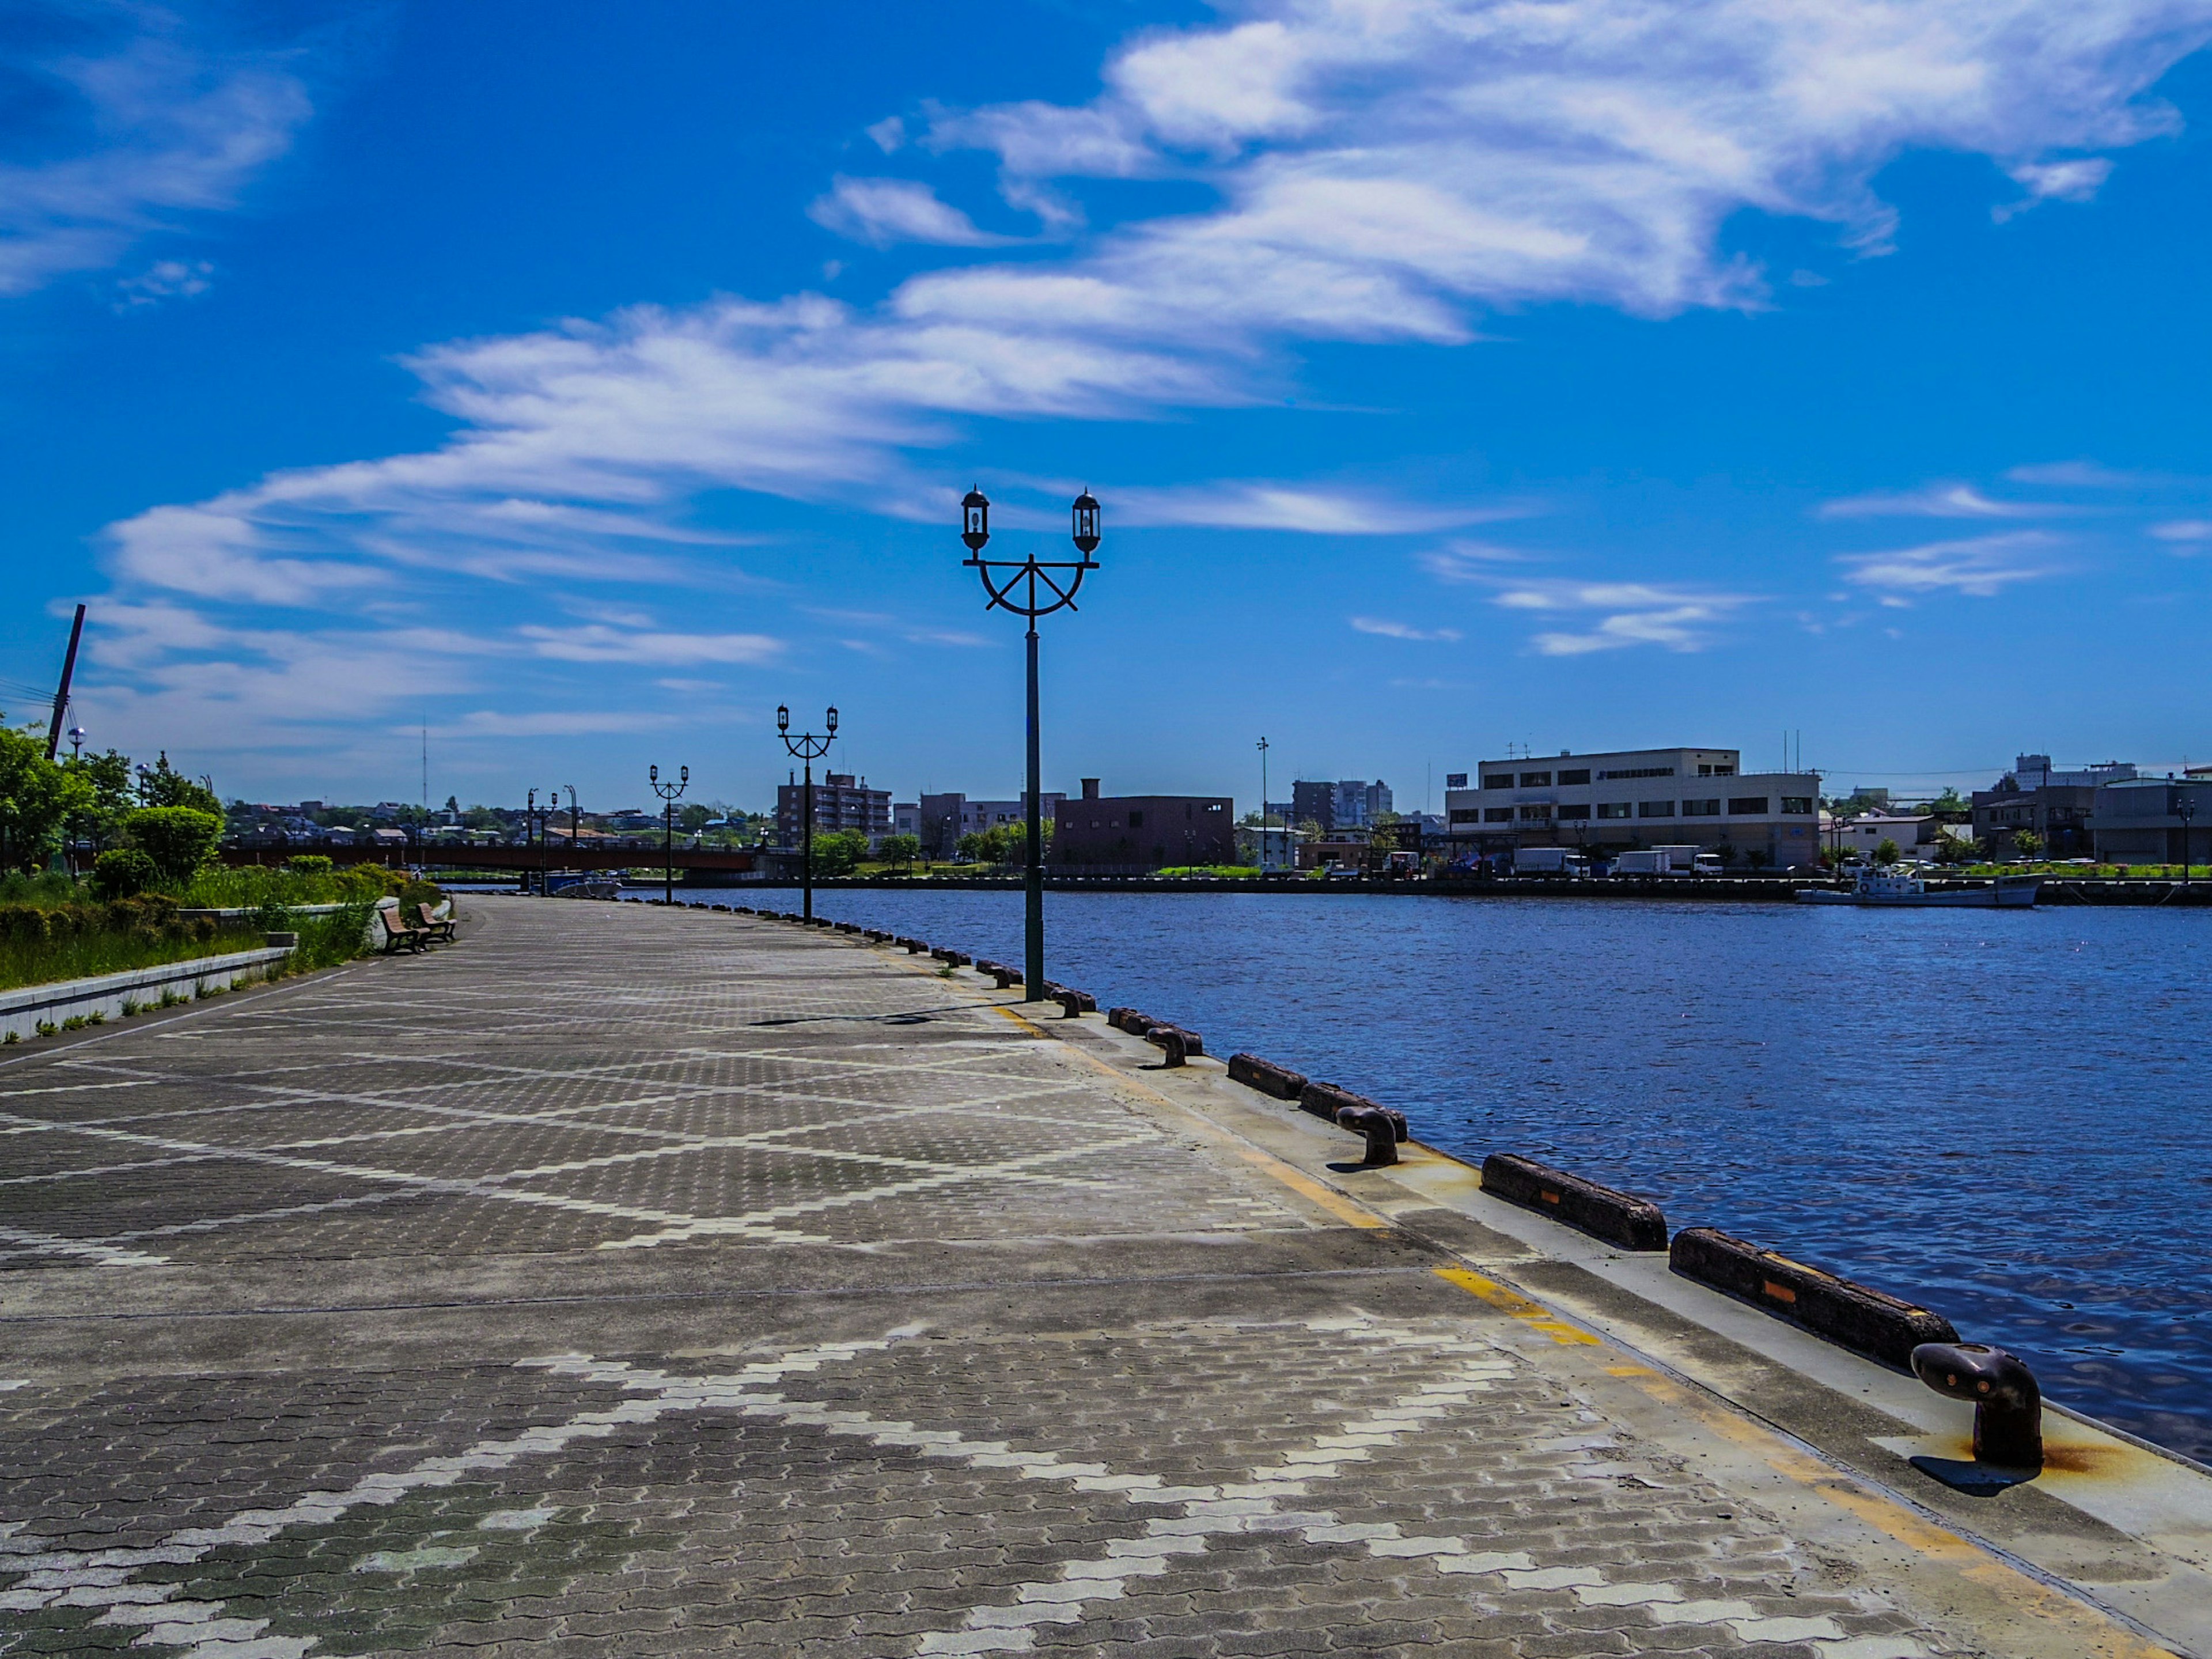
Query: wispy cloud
[
  {"x": 598, "y": 642},
  {"x": 1628, "y": 614},
  {"x": 1321, "y": 510},
  {"x": 1935, "y": 501},
  {"x": 160, "y": 122},
  {"x": 1982, "y": 566},
  {"x": 164, "y": 279},
  {"x": 881, "y": 211},
  {"x": 2086, "y": 475},
  {"x": 1398, "y": 630},
  {"x": 2184, "y": 530},
  {"x": 1463, "y": 561},
  {"x": 2075, "y": 180}
]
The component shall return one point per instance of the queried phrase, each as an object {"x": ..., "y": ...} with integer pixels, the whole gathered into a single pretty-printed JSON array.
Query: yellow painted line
[
  {"x": 1349, "y": 1211},
  {"x": 1535, "y": 1315},
  {"x": 2099, "y": 1635}
]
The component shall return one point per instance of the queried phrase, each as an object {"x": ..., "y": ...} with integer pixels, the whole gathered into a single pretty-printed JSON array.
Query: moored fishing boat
[{"x": 1899, "y": 887}]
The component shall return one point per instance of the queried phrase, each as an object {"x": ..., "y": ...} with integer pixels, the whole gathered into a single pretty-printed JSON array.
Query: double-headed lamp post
[
  {"x": 806, "y": 747},
  {"x": 533, "y": 814},
  {"x": 668, "y": 792},
  {"x": 1031, "y": 588},
  {"x": 2185, "y": 809}
]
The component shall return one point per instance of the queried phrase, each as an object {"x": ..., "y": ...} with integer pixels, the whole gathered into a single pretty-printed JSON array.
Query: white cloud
[
  {"x": 1232, "y": 504},
  {"x": 1982, "y": 566},
  {"x": 1463, "y": 561},
  {"x": 1398, "y": 630},
  {"x": 164, "y": 279},
  {"x": 2075, "y": 180},
  {"x": 2085, "y": 475},
  {"x": 2184, "y": 530},
  {"x": 1628, "y": 614},
  {"x": 599, "y": 642},
  {"x": 889, "y": 134},
  {"x": 157, "y": 124},
  {"x": 883, "y": 212},
  {"x": 1936, "y": 500},
  {"x": 552, "y": 723}
]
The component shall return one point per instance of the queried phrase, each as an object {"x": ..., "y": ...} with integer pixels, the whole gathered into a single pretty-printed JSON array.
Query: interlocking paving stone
[{"x": 691, "y": 1190}]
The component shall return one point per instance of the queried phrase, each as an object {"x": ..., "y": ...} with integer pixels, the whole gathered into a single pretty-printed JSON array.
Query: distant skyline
[{"x": 583, "y": 384}]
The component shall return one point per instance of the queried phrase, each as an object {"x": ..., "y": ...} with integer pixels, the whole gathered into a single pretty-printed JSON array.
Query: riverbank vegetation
[{"x": 40, "y": 943}]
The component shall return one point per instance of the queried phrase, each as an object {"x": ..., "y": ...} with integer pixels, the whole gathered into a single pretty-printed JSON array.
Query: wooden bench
[
  {"x": 438, "y": 926},
  {"x": 398, "y": 935}
]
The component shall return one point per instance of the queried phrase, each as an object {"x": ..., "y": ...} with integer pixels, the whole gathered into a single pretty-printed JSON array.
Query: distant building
[
  {"x": 942, "y": 820},
  {"x": 2142, "y": 820},
  {"x": 1143, "y": 831},
  {"x": 905, "y": 818},
  {"x": 841, "y": 802},
  {"x": 1638, "y": 797},
  {"x": 1915, "y": 835},
  {"x": 2056, "y": 806},
  {"x": 1347, "y": 804}
]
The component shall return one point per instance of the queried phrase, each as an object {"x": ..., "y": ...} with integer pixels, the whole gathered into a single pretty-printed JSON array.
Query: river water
[{"x": 2001, "y": 1114}]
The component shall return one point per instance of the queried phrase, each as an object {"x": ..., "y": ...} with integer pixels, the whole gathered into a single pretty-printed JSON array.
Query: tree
[
  {"x": 107, "y": 797},
  {"x": 123, "y": 873},
  {"x": 164, "y": 786},
  {"x": 1887, "y": 852},
  {"x": 693, "y": 818},
  {"x": 839, "y": 852},
  {"x": 36, "y": 799},
  {"x": 178, "y": 839},
  {"x": 2027, "y": 843},
  {"x": 1948, "y": 805},
  {"x": 902, "y": 850},
  {"x": 1954, "y": 848}
]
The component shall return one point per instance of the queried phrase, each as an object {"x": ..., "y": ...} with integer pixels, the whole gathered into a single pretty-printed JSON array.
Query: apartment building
[
  {"x": 842, "y": 801},
  {"x": 1346, "y": 804},
  {"x": 941, "y": 820},
  {"x": 1637, "y": 797}
]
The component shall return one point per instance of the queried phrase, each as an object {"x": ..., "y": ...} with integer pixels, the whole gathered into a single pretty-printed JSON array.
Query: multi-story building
[
  {"x": 1346, "y": 804},
  {"x": 2056, "y": 806},
  {"x": 2153, "y": 820},
  {"x": 1143, "y": 831},
  {"x": 941, "y": 820},
  {"x": 841, "y": 802},
  {"x": 1638, "y": 797}
]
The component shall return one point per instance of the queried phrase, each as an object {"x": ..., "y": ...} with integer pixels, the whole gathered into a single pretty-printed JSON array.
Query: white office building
[{"x": 1640, "y": 797}]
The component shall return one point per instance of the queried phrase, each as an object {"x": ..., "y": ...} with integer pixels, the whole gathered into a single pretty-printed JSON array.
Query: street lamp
[
  {"x": 668, "y": 792},
  {"x": 1263, "y": 806},
  {"x": 2185, "y": 809},
  {"x": 76, "y": 742},
  {"x": 1015, "y": 586},
  {"x": 534, "y": 817},
  {"x": 807, "y": 747},
  {"x": 576, "y": 831}
]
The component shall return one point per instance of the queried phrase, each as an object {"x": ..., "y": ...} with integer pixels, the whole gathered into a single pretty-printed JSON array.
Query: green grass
[
  {"x": 85, "y": 956},
  {"x": 252, "y": 887}
]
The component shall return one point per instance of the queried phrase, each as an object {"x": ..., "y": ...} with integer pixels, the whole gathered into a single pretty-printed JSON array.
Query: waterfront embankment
[{"x": 654, "y": 1281}]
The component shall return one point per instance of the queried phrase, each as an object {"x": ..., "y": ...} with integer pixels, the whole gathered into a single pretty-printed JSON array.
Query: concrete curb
[{"x": 24, "y": 1010}]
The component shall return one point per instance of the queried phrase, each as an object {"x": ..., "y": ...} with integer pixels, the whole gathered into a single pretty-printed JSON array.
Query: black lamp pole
[
  {"x": 807, "y": 747},
  {"x": 2185, "y": 809},
  {"x": 1014, "y": 585},
  {"x": 576, "y": 831},
  {"x": 668, "y": 792}
]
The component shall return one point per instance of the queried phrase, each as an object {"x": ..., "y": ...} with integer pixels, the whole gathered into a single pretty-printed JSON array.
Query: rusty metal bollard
[
  {"x": 2008, "y": 1404},
  {"x": 1174, "y": 1051},
  {"x": 914, "y": 947},
  {"x": 1070, "y": 1005},
  {"x": 1383, "y": 1127}
]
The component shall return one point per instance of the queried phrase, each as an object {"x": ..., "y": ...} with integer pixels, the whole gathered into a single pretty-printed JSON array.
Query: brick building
[{"x": 1143, "y": 831}]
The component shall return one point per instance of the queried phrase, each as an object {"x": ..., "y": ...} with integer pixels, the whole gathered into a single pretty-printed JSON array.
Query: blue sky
[{"x": 582, "y": 382}]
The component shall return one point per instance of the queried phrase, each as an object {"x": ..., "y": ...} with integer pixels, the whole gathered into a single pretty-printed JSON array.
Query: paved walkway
[{"x": 627, "y": 1281}]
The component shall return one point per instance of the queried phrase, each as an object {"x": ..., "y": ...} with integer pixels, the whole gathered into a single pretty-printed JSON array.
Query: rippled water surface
[{"x": 2000, "y": 1114}]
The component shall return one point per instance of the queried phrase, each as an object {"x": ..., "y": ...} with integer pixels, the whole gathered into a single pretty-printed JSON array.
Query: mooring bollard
[
  {"x": 914, "y": 947},
  {"x": 1383, "y": 1127},
  {"x": 2008, "y": 1404},
  {"x": 1174, "y": 1051},
  {"x": 1070, "y": 1005}
]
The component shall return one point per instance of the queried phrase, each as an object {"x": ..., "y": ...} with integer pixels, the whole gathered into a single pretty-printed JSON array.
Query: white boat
[{"x": 1898, "y": 886}]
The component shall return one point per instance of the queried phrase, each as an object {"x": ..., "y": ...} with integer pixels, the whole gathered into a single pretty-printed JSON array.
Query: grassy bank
[{"x": 40, "y": 945}]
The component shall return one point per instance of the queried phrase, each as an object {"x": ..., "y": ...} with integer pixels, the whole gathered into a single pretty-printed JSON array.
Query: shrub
[
  {"x": 178, "y": 839},
  {"x": 121, "y": 872},
  {"x": 308, "y": 864}
]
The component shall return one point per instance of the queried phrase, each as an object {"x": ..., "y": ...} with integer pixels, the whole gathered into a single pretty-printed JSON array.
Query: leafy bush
[
  {"x": 179, "y": 840},
  {"x": 839, "y": 853},
  {"x": 309, "y": 864},
  {"x": 121, "y": 872}
]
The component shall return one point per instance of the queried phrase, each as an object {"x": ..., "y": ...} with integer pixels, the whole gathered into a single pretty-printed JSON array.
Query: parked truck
[
  {"x": 1665, "y": 861},
  {"x": 1549, "y": 861}
]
